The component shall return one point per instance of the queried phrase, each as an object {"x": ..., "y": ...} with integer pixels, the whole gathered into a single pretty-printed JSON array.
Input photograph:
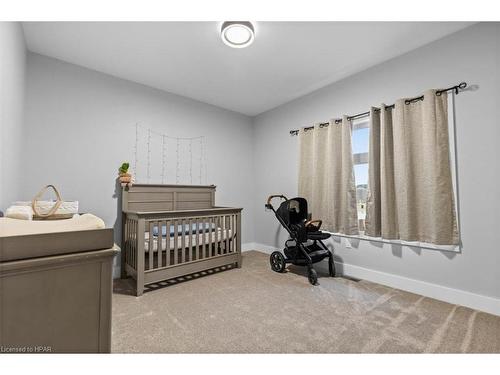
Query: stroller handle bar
[{"x": 271, "y": 197}]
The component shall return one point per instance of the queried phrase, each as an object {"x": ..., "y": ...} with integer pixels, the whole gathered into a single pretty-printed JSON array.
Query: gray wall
[
  {"x": 12, "y": 90},
  {"x": 80, "y": 125},
  {"x": 471, "y": 55}
]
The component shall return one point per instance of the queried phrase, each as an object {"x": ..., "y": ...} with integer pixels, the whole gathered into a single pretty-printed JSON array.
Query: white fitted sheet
[{"x": 217, "y": 235}]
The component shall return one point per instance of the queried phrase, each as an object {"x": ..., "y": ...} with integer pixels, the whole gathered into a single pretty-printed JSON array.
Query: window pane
[
  {"x": 360, "y": 145},
  {"x": 361, "y": 174},
  {"x": 360, "y": 139},
  {"x": 361, "y": 178}
]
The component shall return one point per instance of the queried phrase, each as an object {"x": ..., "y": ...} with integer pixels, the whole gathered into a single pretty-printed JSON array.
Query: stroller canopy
[{"x": 293, "y": 211}]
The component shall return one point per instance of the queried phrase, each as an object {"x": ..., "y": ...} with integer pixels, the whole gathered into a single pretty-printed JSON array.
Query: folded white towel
[{"x": 19, "y": 212}]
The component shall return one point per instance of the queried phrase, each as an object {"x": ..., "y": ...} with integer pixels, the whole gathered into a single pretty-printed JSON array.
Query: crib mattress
[{"x": 216, "y": 235}]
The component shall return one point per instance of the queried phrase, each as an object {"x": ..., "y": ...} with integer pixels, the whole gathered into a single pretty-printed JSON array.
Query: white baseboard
[
  {"x": 455, "y": 296},
  {"x": 443, "y": 293}
]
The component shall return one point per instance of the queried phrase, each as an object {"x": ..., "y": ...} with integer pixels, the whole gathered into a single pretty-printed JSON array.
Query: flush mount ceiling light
[{"x": 237, "y": 34}]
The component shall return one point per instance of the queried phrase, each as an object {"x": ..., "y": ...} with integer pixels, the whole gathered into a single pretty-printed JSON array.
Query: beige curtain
[
  {"x": 410, "y": 185},
  {"x": 326, "y": 175}
]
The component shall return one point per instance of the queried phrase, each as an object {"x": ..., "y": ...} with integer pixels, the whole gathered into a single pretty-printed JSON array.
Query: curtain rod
[{"x": 455, "y": 88}]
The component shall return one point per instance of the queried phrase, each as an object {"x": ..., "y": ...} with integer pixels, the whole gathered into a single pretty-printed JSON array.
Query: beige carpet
[{"x": 255, "y": 310}]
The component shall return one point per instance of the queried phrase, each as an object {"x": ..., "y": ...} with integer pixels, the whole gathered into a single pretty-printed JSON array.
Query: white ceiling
[{"x": 287, "y": 59}]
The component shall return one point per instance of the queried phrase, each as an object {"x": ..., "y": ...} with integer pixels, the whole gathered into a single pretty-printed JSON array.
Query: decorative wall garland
[{"x": 153, "y": 148}]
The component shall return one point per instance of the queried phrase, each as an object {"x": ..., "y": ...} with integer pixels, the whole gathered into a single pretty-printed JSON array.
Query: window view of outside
[{"x": 360, "y": 139}]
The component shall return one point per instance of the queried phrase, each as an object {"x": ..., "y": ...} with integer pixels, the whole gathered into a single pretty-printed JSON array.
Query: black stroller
[{"x": 305, "y": 246}]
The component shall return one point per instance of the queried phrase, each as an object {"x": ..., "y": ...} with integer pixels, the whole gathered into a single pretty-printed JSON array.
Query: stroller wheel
[
  {"x": 277, "y": 261},
  {"x": 331, "y": 266},
  {"x": 312, "y": 276}
]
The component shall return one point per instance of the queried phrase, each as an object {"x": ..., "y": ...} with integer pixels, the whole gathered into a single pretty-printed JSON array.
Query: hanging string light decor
[{"x": 166, "y": 159}]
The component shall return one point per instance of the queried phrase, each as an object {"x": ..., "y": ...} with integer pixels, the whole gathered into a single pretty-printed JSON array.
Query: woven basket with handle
[{"x": 51, "y": 213}]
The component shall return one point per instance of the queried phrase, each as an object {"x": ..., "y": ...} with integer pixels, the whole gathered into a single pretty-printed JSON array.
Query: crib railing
[{"x": 163, "y": 240}]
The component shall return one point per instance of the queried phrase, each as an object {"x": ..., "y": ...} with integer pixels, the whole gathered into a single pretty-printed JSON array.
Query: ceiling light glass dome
[{"x": 237, "y": 34}]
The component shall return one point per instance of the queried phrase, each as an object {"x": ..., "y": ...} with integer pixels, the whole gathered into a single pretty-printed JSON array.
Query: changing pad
[
  {"x": 16, "y": 227},
  {"x": 23, "y": 239}
]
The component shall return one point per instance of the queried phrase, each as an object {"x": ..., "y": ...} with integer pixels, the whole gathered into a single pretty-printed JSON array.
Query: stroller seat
[
  {"x": 305, "y": 246},
  {"x": 318, "y": 235}
]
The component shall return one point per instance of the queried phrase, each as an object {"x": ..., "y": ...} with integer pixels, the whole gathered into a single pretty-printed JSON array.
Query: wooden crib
[{"x": 169, "y": 231}]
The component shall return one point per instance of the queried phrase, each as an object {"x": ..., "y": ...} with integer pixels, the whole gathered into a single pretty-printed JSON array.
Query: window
[
  {"x": 360, "y": 144},
  {"x": 360, "y": 148}
]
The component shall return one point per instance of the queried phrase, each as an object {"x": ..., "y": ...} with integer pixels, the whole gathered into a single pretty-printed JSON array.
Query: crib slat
[
  {"x": 196, "y": 240},
  {"x": 176, "y": 237},
  {"x": 233, "y": 234},
  {"x": 222, "y": 234},
  {"x": 151, "y": 246},
  {"x": 206, "y": 226},
  {"x": 230, "y": 232},
  {"x": 216, "y": 234},
  {"x": 221, "y": 218},
  {"x": 159, "y": 225},
  {"x": 210, "y": 240},
  {"x": 233, "y": 226},
  {"x": 203, "y": 247},
  {"x": 213, "y": 234},
  {"x": 210, "y": 236},
  {"x": 194, "y": 251},
  {"x": 226, "y": 224},
  {"x": 219, "y": 234},
  {"x": 199, "y": 241},
  {"x": 190, "y": 241},
  {"x": 183, "y": 240},
  {"x": 171, "y": 241},
  {"x": 167, "y": 243},
  {"x": 205, "y": 238},
  {"x": 166, "y": 247}
]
